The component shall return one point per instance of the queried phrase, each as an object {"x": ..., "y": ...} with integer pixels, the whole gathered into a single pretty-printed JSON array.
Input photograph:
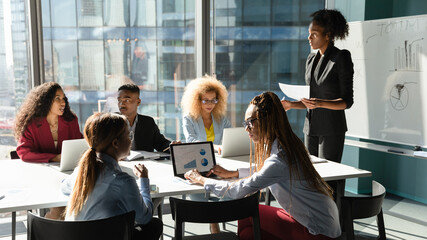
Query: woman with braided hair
[
  {"x": 329, "y": 73},
  {"x": 281, "y": 163},
  {"x": 98, "y": 187}
]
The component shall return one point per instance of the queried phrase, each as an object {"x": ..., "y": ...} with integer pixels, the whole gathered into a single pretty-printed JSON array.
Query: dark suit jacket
[
  {"x": 148, "y": 136},
  {"x": 331, "y": 78}
]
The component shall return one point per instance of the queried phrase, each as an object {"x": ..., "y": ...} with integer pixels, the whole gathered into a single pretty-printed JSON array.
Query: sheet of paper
[
  {"x": 315, "y": 159},
  {"x": 420, "y": 154},
  {"x": 296, "y": 92}
]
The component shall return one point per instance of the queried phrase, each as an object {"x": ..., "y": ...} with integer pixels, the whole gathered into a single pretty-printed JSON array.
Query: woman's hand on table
[
  {"x": 222, "y": 172},
  {"x": 195, "y": 177}
]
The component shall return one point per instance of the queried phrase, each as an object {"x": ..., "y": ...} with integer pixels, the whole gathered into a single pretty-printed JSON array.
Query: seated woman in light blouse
[
  {"x": 42, "y": 123},
  {"x": 282, "y": 163},
  {"x": 98, "y": 187},
  {"x": 204, "y": 105}
]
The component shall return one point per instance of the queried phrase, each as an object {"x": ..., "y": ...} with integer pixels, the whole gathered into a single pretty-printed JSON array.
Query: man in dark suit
[{"x": 147, "y": 136}]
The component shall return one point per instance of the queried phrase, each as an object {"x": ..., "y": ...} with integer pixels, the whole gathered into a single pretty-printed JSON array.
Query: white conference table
[{"x": 27, "y": 186}]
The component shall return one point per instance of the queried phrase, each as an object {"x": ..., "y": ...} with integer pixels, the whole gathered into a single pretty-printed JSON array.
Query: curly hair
[
  {"x": 273, "y": 124},
  {"x": 37, "y": 105},
  {"x": 193, "y": 92},
  {"x": 333, "y": 22}
]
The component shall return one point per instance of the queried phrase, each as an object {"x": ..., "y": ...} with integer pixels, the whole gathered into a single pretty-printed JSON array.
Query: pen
[{"x": 166, "y": 149}]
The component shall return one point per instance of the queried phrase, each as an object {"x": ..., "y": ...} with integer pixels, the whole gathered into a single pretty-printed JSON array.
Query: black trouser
[
  {"x": 149, "y": 231},
  {"x": 327, "y": 147}
]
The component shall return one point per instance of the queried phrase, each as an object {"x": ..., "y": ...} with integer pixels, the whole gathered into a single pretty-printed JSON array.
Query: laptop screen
[
  {"x": 235, "y": 142},
  {"x": 188, "y": 156},
  {"x": 72, "y": 151}
]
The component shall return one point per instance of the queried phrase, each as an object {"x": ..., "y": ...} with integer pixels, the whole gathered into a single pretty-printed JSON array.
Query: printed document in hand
[{"x": 296, "y": 92}]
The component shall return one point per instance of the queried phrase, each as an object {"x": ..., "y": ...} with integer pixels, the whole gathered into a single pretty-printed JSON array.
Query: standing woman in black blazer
[{"x": 329, "y": 73}]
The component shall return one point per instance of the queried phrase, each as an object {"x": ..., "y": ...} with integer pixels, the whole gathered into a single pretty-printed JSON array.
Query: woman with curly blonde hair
[{"x": 204, "y": 105}]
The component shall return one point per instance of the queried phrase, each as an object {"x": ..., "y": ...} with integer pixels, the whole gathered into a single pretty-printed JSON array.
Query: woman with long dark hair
[
  {"x": 43, "y": 122},
  {"x": 281, "y": 163},
  {"x": 98, "y": 187}
]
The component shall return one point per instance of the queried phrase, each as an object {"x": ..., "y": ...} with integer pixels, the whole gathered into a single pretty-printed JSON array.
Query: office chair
[
  {"x": 213, "y": 212},
  {"x": 14, "y": 155},
  {"x": 117, "y": 227},
  {"x": 358, "y": 207}
]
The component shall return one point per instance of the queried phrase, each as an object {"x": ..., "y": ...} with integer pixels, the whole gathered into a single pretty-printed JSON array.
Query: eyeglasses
[
  {"x": 249, "y": 123},
  {"x": 213, "y": 101}
]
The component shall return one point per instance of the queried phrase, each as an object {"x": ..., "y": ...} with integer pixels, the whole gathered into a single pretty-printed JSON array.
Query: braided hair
[{"x": 273, "y": 125}]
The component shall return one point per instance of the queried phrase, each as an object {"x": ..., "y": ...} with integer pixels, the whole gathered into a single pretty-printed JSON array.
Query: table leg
[
  {"x": 13, "y": 225},
  {"x": 339, "y": 192}
]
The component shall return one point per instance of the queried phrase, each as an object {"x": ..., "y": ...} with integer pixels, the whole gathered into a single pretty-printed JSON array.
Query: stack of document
[{"x": 139, "y": 155}]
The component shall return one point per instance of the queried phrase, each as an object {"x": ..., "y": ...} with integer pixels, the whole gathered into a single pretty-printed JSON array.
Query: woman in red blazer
[{"x": 42, "y": 123}]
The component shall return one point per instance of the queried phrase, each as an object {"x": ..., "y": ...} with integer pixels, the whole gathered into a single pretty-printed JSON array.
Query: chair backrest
[
  {"x": 117, "y": 227},
  {"x": 214, "y": 212},
  {"x": 367, "y": 206}
]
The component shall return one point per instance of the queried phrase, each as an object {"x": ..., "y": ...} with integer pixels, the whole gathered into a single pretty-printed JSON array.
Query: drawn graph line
[{"x": 407, "y": 57}]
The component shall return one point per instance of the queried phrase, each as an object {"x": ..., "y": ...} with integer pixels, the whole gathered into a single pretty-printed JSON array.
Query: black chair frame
[{"x": 214, "y": 212}]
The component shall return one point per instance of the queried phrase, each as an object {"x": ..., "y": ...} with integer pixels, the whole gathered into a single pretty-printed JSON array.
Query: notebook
[
  {"x": 71, "y": 152},
  {"x": 235, "y": 142},
  {"x": 188, "y": 156}
]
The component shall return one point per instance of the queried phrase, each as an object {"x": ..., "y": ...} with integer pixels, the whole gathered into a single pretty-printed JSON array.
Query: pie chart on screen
[{"x": 204, "y": 162}]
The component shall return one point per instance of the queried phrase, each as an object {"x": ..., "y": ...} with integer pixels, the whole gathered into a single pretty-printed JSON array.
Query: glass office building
[{"x": 91, "y": 47}]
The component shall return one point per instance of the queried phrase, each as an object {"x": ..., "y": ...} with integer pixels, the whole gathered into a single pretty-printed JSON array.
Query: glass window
[
  {"x": 146, "y": 42},
  {"x": 14, "y": 69},
  {"x": 89, "y": 13},
  {"x": 62, "y": 13},
  {"x": 258, "y": 44},
  {"x": 116, "y": 13}
]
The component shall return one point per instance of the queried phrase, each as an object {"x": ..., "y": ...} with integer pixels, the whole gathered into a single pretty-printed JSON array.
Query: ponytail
[{"x": 90, "y": 166}]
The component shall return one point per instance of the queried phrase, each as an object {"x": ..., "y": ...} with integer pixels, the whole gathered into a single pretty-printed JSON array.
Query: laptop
[
  {"x": 188, "y": 156},
  {"x": 72, "y": 151},
  {"x": 235, "y": 142}
]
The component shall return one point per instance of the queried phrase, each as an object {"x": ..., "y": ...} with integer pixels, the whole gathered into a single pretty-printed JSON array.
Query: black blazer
[
  {"x": 147, "y": 135},
  {"x": 331, "y": 78}
]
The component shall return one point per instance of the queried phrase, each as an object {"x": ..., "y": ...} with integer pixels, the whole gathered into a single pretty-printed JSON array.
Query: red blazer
[{"x": 37, "y": 145}]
